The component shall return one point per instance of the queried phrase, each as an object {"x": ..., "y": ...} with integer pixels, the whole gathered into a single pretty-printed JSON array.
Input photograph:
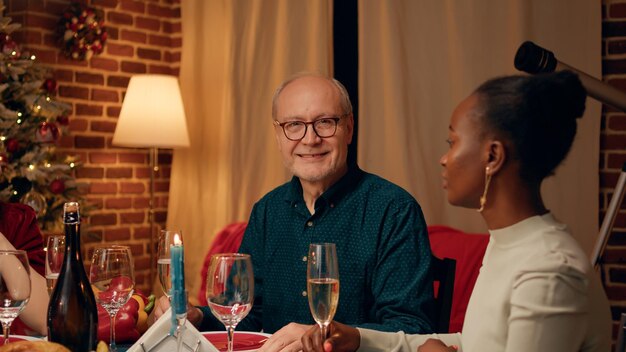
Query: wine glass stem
[
  {"x": 323, "y": 328},
  {"x": 6, "y": 327},
  {"x": 231, "y": 334},
  {"x": 112, "y": 346}
]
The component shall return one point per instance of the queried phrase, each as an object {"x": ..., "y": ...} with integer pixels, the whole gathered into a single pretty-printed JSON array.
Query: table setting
[{"x": 123, "y": 312}]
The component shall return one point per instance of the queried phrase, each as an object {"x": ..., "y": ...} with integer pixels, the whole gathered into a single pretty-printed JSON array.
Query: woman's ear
[{"x": 496, "y": 156}]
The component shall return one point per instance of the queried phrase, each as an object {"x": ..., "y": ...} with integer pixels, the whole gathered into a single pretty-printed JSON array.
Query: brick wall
[
  {"x": 613, "y": 152},
  {"x": 144, "y": 36}
]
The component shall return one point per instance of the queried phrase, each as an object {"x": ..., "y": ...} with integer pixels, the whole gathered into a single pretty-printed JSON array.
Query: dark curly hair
[{"x": 536, "y": 114}]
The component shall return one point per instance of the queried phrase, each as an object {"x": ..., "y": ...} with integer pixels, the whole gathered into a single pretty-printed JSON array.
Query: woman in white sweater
[{"x": 536, "y": 290}]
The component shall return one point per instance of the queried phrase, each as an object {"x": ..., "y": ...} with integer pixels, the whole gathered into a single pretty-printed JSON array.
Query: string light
[
  {"x": 48, "y": 165},
  {"x": 33, "y": 57},
  {"x": 3, "y": 138},
  {"x": 31, "y": 167},
  {"x": 72, "y": 165}
]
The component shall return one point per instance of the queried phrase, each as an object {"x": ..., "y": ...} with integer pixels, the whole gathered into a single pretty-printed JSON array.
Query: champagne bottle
[{"x": 72, "y": 312}]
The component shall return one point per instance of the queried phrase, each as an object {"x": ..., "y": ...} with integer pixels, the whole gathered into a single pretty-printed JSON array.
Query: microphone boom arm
[{"x": 532, "y": 58}]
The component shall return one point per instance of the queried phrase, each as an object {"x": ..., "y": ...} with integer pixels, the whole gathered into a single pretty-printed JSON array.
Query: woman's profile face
[{"x": 465, "y": 161}]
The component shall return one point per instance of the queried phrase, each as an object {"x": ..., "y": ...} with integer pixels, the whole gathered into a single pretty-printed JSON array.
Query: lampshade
[{"x": 152, "y": 114}]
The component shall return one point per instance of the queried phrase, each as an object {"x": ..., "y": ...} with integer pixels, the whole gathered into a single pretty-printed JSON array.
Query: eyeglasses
[{"x": 324, "y": 128}]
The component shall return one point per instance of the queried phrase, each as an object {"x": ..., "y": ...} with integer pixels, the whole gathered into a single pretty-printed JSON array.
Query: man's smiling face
[{"x": 313, "y": 159}]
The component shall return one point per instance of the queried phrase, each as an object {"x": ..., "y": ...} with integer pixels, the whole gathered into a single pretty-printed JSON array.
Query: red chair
[
  {"x": 468, "y": 251},
  {"x": 226, "y": 241}
]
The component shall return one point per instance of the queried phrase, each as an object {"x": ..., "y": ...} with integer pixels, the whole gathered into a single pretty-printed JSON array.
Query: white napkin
[{"x": 149, "y": 341}]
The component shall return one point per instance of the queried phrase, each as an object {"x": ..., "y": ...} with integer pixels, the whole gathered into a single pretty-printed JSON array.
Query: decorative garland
[{"x": 82, "y": 31}]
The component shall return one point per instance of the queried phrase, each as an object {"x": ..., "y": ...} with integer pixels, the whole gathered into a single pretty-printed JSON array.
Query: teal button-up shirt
[{"x": 382, "y": 248}]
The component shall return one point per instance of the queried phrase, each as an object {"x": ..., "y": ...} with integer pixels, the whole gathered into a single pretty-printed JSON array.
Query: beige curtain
[
  {"x": 235, "y": 53},
  {"x": 419, "y": 58}
]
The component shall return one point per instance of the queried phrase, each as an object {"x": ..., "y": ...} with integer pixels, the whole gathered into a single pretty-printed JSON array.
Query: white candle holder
[{"x": 159, "y": 339}]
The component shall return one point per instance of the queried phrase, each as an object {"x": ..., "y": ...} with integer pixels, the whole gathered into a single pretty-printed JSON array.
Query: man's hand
[
  {"x": 342, "y": 338},
  {"x": 160, "y": 306},
  {"x": 194, "y": 315},
  {"x": 286, "y": 339},
  {"x": 434, "y": 345}
]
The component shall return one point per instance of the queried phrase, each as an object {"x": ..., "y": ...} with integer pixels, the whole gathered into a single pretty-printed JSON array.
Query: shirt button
[
  {"x": 332, "y": 205},
  {"x": 295, "y": 205},
  {"x": 304, "y": 259},
  {"x": 303, "y": 293},
  {"x": 309, "y": 223}
]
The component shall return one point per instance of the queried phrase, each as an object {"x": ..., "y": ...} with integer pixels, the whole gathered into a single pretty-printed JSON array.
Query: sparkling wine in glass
[
  {"x": 322, "y": 283},
  {"x": 166, "y": 239},
  {"x": 113, "y": 281},
  {"x": 230, "y": 289},
  {"x": 55, "y": 252},
  {"x": 14, "y": 287}
]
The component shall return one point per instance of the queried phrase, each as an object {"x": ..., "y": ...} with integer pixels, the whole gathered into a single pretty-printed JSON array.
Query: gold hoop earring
[{"x": 483, "y": 198}]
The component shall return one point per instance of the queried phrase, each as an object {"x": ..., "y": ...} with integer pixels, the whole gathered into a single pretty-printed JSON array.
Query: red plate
[
  {"x": 243, "y": 341},
  {"x": 11, "y": 339}
]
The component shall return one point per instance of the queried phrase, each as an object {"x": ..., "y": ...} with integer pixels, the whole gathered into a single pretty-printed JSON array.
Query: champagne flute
[
  {"x": 166, "y": 239},
  {"x": 230, "y": 289},
  {"x": 322, "y": 283},
  {"x": 55, "y": 252},
  {"x": 113, "y": 281},
  {"x": 14, "y": 287}
]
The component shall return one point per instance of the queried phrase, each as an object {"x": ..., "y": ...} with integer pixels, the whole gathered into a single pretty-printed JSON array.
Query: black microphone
[{"x": 532, "y": 58}]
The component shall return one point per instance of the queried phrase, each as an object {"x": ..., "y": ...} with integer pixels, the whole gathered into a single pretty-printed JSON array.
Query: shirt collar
[
  {"x": 521, "y": 231},
  {"x": 333, "y": 194}
]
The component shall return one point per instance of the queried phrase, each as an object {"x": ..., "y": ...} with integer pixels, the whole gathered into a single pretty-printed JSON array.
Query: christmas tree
[{"x": 31, "y": 124}]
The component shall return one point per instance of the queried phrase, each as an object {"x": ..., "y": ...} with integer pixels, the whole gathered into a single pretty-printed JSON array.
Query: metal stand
[
  {"x": 609, "y": 218},
  {"x": 620, "y": 344},
  {"x": 154, "y": 168}
]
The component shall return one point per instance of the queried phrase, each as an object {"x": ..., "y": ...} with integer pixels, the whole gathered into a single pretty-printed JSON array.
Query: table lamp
[{"x": 152, "y": 116}]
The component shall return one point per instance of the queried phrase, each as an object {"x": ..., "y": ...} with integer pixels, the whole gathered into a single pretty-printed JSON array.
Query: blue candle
[{"x": 177, "y": 275}]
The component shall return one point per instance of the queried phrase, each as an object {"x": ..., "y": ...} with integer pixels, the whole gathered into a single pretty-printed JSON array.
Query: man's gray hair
[{"x": 346, "y": 105}]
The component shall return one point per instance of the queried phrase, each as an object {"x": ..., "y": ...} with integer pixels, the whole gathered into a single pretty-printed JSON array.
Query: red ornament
[
  {"x": 12, "y": 145},
  {"x": 50, "y": 85},
  {"x": 47, "y": 132},
  {"x": 9, "y": 47},
  {"x": 57, "y": 186},
  {"x": 4, "y": 38}
]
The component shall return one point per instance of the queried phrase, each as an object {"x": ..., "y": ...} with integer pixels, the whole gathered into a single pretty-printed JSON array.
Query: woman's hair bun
[{"x": 560, "y": 95}]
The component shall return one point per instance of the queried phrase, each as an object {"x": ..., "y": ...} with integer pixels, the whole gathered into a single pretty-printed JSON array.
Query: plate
[
  {"x": 243, "y": 340},
  {"x": 14, "y": 338}
]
